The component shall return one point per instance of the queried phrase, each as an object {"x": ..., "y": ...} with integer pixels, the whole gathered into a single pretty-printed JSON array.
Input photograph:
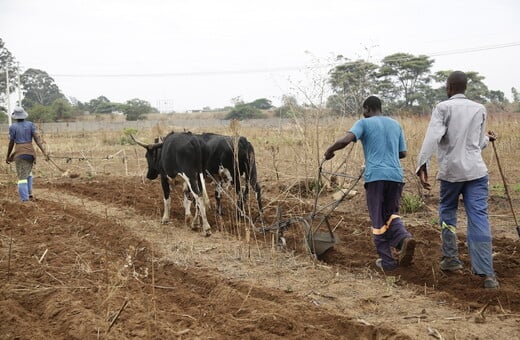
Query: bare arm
[
  {"x": 339, "y": 144},
  {"x": 38, "y": 141},
  {"x": 9, "y": 159}
]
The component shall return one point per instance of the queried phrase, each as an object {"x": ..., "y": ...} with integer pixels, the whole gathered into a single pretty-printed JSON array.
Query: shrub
[
  {"x": 411, "y": 203},
  {"x": 244, "y": 111}
]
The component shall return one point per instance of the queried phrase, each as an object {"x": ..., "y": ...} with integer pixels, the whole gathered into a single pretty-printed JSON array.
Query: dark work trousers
[{"x": 383, "y": 199}]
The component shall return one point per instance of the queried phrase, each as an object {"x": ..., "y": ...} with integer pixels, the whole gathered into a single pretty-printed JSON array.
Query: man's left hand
[{"x": 423, "y": 177}]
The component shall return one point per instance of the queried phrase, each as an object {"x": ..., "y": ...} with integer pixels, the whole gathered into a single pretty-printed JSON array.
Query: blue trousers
[
  {"x": 383, "y": 200},
  {"x": 475, "y": 196}
]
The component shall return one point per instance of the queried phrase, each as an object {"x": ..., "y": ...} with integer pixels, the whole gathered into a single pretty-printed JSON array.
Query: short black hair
[
  {"x": 458, "y": 80},
  {"x": 373, "y": 103}
]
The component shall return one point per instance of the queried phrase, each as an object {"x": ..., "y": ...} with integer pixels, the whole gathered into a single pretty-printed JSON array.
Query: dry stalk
[
  {"x": 43, "y": 256},
  {"x": 435, "y": 333},
  {"x": 245, "y": 299},
  {"x": 480, "y": 317},
  {"x": 117, "y": 315},
  {"x": 500, "y": 305},
  {"x": 153, "y": 285}
]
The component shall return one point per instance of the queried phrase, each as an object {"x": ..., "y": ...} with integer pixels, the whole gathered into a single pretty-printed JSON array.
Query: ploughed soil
[{"x": 89, "y": 259}]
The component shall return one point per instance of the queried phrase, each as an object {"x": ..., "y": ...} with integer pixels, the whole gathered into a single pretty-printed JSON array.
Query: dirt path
[{"x": 91, "y": 260}]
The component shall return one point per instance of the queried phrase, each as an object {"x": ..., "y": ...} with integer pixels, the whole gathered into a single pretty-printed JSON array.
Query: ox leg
[
  {"x": 223, "y": 183},
  {"x": 258, "y": 196},
  {"x": 202, "y": 209},
  {"x": 240, "y": 195},
  {"x": 199, "y": 200},
  {"x": 166, "y": 214},
  {"x": 166, "y": 199},
  {"x": 218, "y": 197},
  {"x": 188, "y": 219}
]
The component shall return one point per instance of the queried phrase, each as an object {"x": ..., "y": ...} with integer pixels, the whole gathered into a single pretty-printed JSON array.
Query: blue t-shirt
[
  {"x": 22, "y": 132},
  {"x": 382, "y": 138}
]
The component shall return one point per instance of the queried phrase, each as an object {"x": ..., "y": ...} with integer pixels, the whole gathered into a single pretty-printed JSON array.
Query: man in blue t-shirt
[
  {"x": 21, "y": 135},
  {"x": 383, "y": 145}
]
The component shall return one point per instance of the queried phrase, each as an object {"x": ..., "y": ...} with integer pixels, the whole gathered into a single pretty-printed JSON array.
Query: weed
[
  {"x": 411, "y": 203},
  {"x": 434, "y": 221}
]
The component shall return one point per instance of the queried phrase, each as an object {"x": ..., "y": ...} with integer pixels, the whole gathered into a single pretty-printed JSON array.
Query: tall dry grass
[{"x": 288, "y": 153}]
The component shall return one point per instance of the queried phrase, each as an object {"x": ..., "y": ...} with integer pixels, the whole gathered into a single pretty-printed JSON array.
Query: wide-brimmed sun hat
[{"x": 19, "y": 113}]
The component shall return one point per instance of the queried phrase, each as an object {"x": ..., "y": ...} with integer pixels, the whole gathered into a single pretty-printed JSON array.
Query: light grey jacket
[{"x": 457, "y": 130}]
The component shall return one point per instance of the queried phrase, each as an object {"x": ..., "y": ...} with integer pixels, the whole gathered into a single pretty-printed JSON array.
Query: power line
[
  {"x": 475, "y": 49},
  {"x": 270, "y": 69},
  {"x": 461, "y": 51},
  {"x": 181, "y": 74}
]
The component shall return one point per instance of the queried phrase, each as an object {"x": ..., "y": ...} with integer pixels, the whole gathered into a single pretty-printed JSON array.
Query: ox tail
[{"x": 205, "y": 196}]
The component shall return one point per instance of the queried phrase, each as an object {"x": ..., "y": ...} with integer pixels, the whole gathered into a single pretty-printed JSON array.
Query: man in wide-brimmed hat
[{"x": 21, "y": 135}]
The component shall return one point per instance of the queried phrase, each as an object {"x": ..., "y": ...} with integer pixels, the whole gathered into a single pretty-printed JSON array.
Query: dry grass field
[{"x": 89, "y": 258}]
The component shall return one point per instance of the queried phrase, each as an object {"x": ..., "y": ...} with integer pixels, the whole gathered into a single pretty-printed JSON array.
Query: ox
[
  {"x": 221, "y": 165},
  {"x": 182, "y": 154}
]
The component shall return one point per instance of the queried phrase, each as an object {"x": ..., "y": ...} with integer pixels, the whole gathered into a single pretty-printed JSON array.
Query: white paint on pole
[
  {"x": 19, "y": 86},
  {"x": 8, "y": 95}
]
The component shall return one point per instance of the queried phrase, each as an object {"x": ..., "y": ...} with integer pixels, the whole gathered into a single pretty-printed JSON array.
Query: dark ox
[
  {"x": 221, "y": 165},
  {"x": 182, "y": 154}
]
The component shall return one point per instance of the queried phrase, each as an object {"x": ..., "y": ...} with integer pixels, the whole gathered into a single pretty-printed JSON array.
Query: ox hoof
[
  {"x": 165, "y": 221},
  {"x": 207, "y": 233}
]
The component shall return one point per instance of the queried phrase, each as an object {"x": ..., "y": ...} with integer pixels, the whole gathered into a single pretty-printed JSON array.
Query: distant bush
[{"x": 245, "y": 111}]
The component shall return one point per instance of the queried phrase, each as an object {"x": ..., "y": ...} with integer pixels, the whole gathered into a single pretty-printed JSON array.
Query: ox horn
[{"x": 144, "y": 145}]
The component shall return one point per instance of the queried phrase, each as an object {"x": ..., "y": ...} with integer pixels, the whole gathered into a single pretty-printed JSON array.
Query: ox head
[{"x": 153, "y": 155}]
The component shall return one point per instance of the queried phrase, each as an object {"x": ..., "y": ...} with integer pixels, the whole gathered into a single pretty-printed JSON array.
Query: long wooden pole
[{"x": 506, "y": 188}]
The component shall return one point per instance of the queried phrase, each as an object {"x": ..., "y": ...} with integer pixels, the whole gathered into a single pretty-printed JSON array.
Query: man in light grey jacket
[{"x": 457, "y": 132}]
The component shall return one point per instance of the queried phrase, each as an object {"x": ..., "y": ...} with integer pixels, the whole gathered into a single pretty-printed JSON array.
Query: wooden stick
[
  {"x": 117, "y": 315},
  {"x": 506, "y": 188}
]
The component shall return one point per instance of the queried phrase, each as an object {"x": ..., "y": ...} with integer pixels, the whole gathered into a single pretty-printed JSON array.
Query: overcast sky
[{"x": 184, "y": 55}]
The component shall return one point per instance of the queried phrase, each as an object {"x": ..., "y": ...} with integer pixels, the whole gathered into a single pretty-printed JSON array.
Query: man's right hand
[
  {"x": 423, "y": 177},
  {"x": 492, "y": 136},
  {"x": 328, "y": 154}
]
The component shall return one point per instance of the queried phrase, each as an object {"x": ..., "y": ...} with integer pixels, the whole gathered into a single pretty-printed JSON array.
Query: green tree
[
  {"x": 351, "y": 82},
  {"x": 41, "y": 113},
  {"x": 289, "y": 108},
  {"x": 62, "y": 109},
  {"x": 244, "y": 111},
  {"x": 497, "y": 96},
  {"x": 7, "y": 61},
  {"x": 516, "y": 95},
  {"x": 39, "y": 88},
  {"x": 135, "y": 109},
  {"x": 408, "y": 73},
  {"x": 100, "y": 104},
  {"x": 477, "y": 90},
  {"x": 262, "y": 104}
]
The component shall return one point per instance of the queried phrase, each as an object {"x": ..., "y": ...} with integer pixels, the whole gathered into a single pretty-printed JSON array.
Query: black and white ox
[
  {"x": 222, "y": 167},
  {"x": 182, "y": 154}
]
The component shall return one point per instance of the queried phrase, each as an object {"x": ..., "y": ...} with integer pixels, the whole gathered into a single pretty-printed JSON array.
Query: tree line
[{"x": 403, "y": 81}]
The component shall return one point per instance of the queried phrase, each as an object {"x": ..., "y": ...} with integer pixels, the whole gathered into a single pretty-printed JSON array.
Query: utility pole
[
  {"x": 8, "y": 93},
  {"x": 19, "y": 85}
]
